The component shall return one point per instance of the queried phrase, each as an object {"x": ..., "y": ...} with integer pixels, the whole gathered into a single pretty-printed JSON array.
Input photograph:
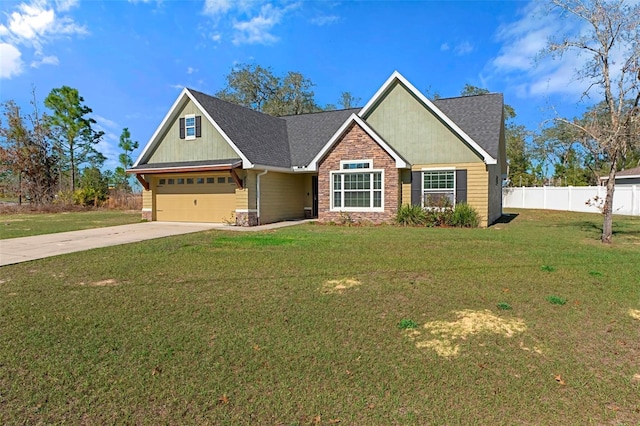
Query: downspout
[{"x": 258, "y": 193}]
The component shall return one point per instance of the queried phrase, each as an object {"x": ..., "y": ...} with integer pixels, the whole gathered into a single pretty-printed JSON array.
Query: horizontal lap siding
[
  {"x": 477, "y": 185},
  {"x": 147, "y": 199},
  {"x": 282, "y": 197}
]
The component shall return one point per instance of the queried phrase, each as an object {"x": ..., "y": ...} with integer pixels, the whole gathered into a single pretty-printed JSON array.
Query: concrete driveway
[{"x": 16, "y": 250}]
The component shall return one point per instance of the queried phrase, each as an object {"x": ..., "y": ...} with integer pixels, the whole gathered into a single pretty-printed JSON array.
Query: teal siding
[
  {"x": 211, "y": 146},
  {"x": 415, "y": 132}
]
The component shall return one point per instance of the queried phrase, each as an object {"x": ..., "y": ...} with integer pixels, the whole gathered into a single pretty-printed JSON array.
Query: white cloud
[
  {"x": 463, "y": 48},
  {"x": 250, "y": 21},
  {"x": 325, "y": 20},
  {"x": 11, "y": 63},
  {"x": 177, "y": 86},
  {"x": 191, "y": 70},
  {"x": 45, "y": 60},
  {"x": 444, "y": 47},
  {"x": 521, "y": 63},
  {"x": 216, "y": 7},
  {"x": 105, "y": 122},
  {"x": 32, "y": 26}
]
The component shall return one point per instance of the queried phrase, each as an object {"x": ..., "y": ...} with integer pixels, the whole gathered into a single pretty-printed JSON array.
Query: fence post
[
  {"x": 635, "y": 201},
  {"x": 523, "y": 197},
  {"x": 544, "y": 197}
]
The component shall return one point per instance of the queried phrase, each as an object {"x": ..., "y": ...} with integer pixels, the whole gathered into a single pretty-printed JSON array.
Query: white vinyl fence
[{"x": 626, "y": 199}]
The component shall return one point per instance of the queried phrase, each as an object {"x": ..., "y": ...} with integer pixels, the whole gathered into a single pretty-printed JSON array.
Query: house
[
  {"x": 213, "y": 161},
  {"x": 624, "y": 177}
]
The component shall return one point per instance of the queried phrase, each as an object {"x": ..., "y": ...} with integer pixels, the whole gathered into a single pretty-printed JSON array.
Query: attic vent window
[{"x": 190, "y": 127}]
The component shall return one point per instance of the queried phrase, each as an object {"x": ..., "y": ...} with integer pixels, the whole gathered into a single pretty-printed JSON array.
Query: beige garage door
[{"x": 195, "y": 198}]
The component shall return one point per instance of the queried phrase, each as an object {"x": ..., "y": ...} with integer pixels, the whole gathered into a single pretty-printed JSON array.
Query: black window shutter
[
  {"x": 461, "y": 186},
  {"x": 198, "y": 131},
  {"x": 182, "y": 128},
  {"x": 416, "y": 188}
]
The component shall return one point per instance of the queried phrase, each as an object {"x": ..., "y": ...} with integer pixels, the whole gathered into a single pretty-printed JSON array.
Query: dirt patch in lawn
[
  {"x": 634, "y": 313},
  {"x": 339, "y": 286},
  {"x": 444, "y": 336},
  {"x": 104, "y": 283}
]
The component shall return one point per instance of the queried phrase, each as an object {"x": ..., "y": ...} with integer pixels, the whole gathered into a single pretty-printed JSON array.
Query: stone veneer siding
[{"x": 356, "y": 144}]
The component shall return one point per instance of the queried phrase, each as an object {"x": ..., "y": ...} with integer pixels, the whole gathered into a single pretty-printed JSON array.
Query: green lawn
[
  {"x": 25, "y": 225},
  {"x": 300, "y": 326}
]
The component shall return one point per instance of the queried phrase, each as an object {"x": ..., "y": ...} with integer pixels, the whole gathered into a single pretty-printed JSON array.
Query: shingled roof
[{"x": 478, "y": 116}]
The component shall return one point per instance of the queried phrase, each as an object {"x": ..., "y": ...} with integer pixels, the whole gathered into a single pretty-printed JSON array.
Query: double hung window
[
  {"x": 436, "y": 185},
  {"x": 357, "y": 187}
]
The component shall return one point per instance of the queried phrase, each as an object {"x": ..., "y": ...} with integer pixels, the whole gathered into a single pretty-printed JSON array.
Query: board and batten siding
[
  {"x": 282, "y": 196},
  {"x": 477, "y": 186},
  {"x": 415, "y": 132},
  {"x": 210, "y": 146}
]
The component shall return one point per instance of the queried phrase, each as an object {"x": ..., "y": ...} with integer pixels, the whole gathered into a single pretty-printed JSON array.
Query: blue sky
[{"x": 130, "y": 59}]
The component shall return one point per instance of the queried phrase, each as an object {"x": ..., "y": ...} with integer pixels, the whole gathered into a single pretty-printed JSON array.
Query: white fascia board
[
  {"x": 400, "y": 162},
  {"x": 621, "y": 177},
  {"x": 396, "y": 76},
  {"x": 168, "y": 120}
]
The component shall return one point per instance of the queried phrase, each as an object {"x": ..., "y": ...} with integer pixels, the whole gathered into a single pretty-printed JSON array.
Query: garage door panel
[{"x": 194, "y": 207}]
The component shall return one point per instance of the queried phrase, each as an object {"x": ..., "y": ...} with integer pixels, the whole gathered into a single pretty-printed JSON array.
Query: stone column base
[
  {"x": 246, "y": 218},
  {"x": 147, "y": 215}
]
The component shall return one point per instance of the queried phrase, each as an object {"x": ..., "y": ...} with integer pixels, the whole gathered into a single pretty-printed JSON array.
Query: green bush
[
  {"x": 465, "y": 216},
  {"x": 439, "y": 211},
  {"x": 411, "y": 215},
  {"x": 407, "y": 324}
]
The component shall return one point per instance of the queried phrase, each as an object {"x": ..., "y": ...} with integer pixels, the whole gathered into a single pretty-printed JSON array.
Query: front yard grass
[
  {"x": 302, "y": 326},
  {"x": 28, "y": 224}
]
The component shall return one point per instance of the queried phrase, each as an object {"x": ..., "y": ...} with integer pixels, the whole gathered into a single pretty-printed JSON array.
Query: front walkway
[{"x": 17, "y": 250}]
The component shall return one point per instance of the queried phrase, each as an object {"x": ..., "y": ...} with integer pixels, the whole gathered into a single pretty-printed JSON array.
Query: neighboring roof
[
  {"x": 625, "y": 174},
  {"x": 629, "y": 173},
  {"x": 478, "y": 116},
  {"x": 308, "y": 133},
  {"x": 477, "y": 145}
]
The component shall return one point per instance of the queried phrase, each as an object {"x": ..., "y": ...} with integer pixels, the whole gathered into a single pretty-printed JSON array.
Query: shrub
[
  {"x": 411, "y": 215},
  {"x": 439, "y": 211},
  {"x": 465, "y": 216}
]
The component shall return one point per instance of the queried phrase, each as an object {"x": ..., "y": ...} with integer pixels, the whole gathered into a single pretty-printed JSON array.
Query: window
[
  {"x": 170, "y": 181},
  {"x": 190, "y": 126},
  {"x": 230, "y": 180},
  {"x": 210, "y": 180},
  {"x": 180, "y": 181},
  {"x": 200, "y": 180},
  {"x": 221, "y": 180},
  {"x": 190, "y": 181},
  {"x": 437, "y": 185},
  {"x": 161, "y": 182},
  {"x": 357, "y": 187}
]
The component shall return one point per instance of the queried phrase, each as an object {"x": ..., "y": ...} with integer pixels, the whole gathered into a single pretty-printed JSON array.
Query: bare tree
[{"x": 610, "y": 38}]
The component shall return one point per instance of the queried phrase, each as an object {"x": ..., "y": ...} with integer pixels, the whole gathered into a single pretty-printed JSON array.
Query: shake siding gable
[
  {"x": 356, "y": 144},
  {"x": 210, "y": 145}
]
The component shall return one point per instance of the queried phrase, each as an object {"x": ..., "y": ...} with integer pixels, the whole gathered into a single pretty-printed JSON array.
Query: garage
[{"x": 195, "y": 198}]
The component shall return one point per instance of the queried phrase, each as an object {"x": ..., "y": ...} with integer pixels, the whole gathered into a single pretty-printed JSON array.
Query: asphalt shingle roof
[
  {"x": 479, "y": 116},
  {"x": 308, "y": 133},
  {"x": 295, "y": 140},
  {"x": 261, "y": 137}
]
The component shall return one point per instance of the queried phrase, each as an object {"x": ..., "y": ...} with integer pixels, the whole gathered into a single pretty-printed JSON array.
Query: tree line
[{"x": 54, "y": 156}]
